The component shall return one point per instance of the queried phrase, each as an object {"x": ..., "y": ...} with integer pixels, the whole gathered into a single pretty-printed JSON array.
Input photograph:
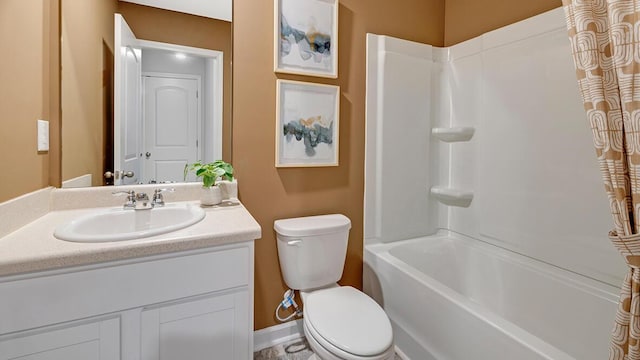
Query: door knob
[
  {"x": 117, "y": 174},
  {"x": 148, "y": 154}
]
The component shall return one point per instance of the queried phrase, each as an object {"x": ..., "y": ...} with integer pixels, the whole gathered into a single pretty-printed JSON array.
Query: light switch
[{"x": 43, "y": 135}]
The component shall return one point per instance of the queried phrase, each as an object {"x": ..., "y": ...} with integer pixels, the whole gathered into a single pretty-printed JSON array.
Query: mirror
[{"x": 178, "y": 56}]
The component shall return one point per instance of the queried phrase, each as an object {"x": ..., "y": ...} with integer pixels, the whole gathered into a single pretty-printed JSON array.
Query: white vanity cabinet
[
  {"x": 205, "y": 328},
  {"x": 195, "y": 305}
]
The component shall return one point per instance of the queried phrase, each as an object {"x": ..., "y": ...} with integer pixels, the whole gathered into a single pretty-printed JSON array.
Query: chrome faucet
[
  {"x": 142, "y": 202},
  {"x": 131, "y": 198},
  {"x": 139, "y": 201},
  {"x": 158, "y": 200}
]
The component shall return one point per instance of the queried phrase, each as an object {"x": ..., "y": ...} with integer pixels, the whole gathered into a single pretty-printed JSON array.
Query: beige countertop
[{"x": 33, "y": 247}]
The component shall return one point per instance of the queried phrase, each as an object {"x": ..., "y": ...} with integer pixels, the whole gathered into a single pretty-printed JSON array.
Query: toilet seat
[
  {"x": 326, "y": 351},
  {"x": 348, "y": 324}
]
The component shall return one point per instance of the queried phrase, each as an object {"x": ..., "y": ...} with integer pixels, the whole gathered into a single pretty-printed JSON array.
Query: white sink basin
[{"x": 119, "y": 224}]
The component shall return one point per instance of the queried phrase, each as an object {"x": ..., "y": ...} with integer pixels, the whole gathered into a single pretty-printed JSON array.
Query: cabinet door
[
  {"x": 215, "y": 327},
  {"x": 99, "y": 340}
]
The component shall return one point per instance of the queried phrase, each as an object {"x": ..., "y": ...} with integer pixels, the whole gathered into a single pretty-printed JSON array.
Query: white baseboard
[{"x": 277, "y": 334}]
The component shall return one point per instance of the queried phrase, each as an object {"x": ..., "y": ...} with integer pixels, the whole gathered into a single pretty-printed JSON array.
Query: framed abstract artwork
[
  {"x": 307, "y": 123},
  {"x": 306, "y": 37}
]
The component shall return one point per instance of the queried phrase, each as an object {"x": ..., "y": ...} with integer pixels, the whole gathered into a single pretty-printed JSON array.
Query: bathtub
[{"x": 455, "y": 298}]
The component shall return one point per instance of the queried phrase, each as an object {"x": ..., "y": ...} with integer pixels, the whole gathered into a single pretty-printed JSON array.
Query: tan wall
[
  {"x": 271, "y": 193},
  {"x": 87, "y": 25},
  {"x": 466, "y": 19},
  {"x": 149, "y": 23},
  {"x": 24, "y": 90}
]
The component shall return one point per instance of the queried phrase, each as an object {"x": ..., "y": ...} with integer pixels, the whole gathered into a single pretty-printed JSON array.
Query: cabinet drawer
[{"x": 35, "y": 302}]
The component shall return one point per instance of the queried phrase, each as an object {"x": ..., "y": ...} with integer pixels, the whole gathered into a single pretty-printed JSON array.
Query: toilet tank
[{"x": 312, "y": 250}]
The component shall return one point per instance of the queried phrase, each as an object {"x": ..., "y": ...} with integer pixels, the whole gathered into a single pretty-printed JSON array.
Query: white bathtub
[{"x": 454, "y": 298}]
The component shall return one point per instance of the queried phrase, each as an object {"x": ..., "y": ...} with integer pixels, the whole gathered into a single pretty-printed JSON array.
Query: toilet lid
[{"x": 349, "y": 320}]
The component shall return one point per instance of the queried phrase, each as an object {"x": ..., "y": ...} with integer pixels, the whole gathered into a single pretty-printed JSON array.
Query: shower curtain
[{"x": 604, "y": 36}]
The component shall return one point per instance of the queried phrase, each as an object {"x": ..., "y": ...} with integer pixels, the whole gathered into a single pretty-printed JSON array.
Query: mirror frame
[{"x": 54, "y": 25}]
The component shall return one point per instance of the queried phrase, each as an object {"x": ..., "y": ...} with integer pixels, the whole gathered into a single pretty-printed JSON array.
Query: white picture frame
[
  {"x": 306, "y": 37},
  {"x": 307, "y": 124}
]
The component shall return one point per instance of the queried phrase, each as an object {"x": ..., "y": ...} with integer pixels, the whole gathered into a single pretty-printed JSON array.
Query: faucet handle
[
  {"x": 158, "y": 200},
  {"x": 131, "y": 197}
]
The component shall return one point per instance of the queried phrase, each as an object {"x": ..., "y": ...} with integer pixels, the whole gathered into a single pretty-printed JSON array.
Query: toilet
[{"x": 340, "y": 322}]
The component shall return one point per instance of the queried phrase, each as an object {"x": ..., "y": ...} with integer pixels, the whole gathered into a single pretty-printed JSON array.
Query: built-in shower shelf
[
  {"x": 453, "y": 134},
  {"x": 451, "y": 196}
]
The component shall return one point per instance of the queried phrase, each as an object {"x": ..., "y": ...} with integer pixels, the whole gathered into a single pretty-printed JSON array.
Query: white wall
[
  {"x": 154, "y": 60},
  {"x": 397, "y": 141},
  {"x": 530, "y": 164},
  {"x": 212, "y": 114}
]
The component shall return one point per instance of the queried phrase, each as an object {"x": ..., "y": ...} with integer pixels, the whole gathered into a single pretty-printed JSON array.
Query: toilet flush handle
[{"x": 295, "y": 242}]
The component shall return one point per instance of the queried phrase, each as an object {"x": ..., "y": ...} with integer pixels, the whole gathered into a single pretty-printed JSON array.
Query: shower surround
[{"x": 480, "y": 160}]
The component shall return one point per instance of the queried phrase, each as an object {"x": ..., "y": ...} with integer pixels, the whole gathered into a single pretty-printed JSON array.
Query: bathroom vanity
[{"x": 184, "y": 294}]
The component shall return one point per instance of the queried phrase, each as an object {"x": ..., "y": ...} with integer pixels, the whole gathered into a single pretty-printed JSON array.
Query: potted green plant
[{"x": 210, "y": 173}]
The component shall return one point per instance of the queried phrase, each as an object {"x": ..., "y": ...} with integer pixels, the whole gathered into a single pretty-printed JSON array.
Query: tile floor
[{"x": 297, "y": 349}]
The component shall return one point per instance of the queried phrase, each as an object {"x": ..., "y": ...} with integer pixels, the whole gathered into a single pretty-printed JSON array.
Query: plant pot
[{"x": 211, "y": 195}]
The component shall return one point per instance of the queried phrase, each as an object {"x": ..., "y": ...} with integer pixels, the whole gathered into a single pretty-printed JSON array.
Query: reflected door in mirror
[
  {"x": 127, "y": 120},
  {"x": 171, "y": 122}
]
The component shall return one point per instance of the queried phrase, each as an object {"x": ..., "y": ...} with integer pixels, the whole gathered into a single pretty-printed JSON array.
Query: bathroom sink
[{"x": 125, "y": 224}]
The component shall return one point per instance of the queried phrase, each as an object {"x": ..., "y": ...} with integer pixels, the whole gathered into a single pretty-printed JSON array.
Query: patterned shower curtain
[{"x": 605, "y": 41}]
